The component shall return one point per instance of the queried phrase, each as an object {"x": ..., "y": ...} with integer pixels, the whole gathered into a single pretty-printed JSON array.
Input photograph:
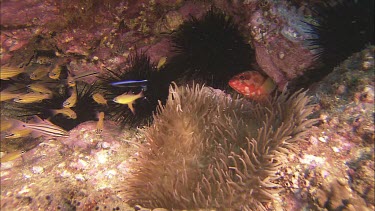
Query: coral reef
[
  {"x": 76, "y": 173},
  {"x": 335, "y": 169},
  {"x": 227, "y": 150},
  {"x": 204, "y": 41}
]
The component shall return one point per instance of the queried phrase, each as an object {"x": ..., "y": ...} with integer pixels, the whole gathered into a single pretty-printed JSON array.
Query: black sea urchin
[
  {"x": 210, "y": 151},
  {"x": 342, "y": 28},
  {"x": 210, "y": 49},
  {"x": 138, "y": 68},
  {"x": 85, "y": 107}
]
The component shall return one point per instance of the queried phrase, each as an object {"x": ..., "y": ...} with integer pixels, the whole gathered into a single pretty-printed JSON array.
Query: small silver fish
[
  {"x": 100, "y": 123},
  {"x": 32, "y": 97},
  {"x": 161, "y": 62},
  {"x": 11, "y": 156},
  {"x": 7, "y": 72},
  {"x": 55, "y": 72},
  {"x": 39, "y": 87},
  {"x": 39, "y": 73},
  {"x": 72, "y": 100}
]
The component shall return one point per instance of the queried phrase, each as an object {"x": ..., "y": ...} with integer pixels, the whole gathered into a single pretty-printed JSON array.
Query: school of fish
[{"x": 251, "y": 84}]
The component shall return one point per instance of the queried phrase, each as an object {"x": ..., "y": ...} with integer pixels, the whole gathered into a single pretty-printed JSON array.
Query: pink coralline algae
[
  {"x": 18, "y": 30},
  {"x": 279, "y": 38}
]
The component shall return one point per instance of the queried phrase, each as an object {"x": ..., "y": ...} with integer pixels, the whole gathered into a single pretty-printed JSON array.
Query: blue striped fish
[{"x": 130, "y": 83}]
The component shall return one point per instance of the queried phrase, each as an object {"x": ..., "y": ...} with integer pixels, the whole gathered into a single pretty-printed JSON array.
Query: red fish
[{"x": 252, "y": 84}]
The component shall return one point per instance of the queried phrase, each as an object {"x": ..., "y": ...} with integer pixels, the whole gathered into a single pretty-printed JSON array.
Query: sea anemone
[
  {"x": 210, "y": 49},
  {"x": 210, "y": 151},
  {"x": 138, "y": 67}
]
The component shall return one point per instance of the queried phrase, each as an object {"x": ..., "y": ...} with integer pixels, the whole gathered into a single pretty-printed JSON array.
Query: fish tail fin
[
  {"x": 53, "y": 112},
  {"x": 130, "y": 105},
  {"x": 268, "y": 86}
]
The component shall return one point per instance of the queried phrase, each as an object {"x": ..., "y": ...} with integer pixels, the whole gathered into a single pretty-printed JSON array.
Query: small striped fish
[
  {"x": 48, "y": 129},
  {"x": 45, "y": 127}
]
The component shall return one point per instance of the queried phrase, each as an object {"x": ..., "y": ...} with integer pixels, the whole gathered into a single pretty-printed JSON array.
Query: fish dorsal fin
[
  {"x": 141, "y": 94},
  {"x": 35, "y": 119},
  {"x": 48, "y": 122}
]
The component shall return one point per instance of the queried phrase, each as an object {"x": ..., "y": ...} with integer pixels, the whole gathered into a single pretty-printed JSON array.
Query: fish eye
[
  {"x": 9, "y": 135},
  {"x": 242, "y": 77}
]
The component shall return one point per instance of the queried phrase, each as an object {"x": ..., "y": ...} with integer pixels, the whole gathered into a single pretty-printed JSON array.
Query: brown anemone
[{"x": 211, "y": 151}]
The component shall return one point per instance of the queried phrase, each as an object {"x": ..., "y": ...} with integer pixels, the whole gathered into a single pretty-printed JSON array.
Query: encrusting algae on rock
[{"x": 217, "y": 152}]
